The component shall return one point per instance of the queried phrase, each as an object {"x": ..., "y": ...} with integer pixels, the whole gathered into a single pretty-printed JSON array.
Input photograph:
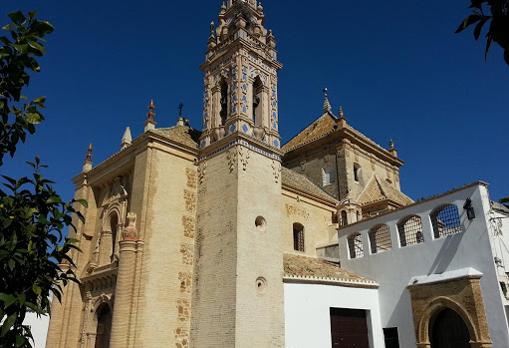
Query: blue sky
[{"x": 396, "y": 66}]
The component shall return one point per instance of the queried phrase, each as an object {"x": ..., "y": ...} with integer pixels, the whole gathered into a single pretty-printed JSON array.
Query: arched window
[
  {"x": 257, "y": 101},
  {"x": 357, "y": 172},
  {"x": 114, "y": 233},
  {"x": 344, "y": 218},
  {"x": 298, "y": 237},
  {"x": 380, "y": 239},
  {"x": 223, "y": 113},
  {"x": 104, "y": 316},
  {"x": 410, "y": 231},
  {"x": 358, "y": 215},
  {"x": 446, "y": 221},
  {"x": 355, "y": 246}
]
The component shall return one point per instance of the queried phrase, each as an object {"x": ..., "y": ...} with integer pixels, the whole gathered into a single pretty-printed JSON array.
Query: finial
[
  {"x": 326, "y": 103},
  {"x": 127, "y": 139},
  {"x": 212, "y": 37},
  {"x": 392, "y": 148},
  {"x": 150, "y": 123},
  {"x": 87, "y": 164},
  {"x": 341, "y": 112},
  {"x": 181, "y": 109},
  {"x": 223, "y": 6}
]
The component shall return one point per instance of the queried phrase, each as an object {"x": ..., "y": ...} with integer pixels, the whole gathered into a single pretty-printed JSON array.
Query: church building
[{"x": 225, "y": 237}]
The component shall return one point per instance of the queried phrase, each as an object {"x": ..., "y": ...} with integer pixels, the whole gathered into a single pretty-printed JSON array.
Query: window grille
[
  {"x": 298, "y": 237},
  {"x": 355, "y": 246},
  {"x": 446, "y": 221},
  {"x": 410, "y": 231},
  {"x": 380, "y": 239}
]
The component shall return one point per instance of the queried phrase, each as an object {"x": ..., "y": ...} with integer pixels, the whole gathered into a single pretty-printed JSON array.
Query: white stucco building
[{"x": 448, "y": 252}]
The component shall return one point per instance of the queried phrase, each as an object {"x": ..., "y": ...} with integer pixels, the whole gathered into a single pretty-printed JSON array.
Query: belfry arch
[{"x": 258, "y": 102}]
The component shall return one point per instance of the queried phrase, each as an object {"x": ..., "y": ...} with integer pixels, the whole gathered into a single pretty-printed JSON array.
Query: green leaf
[
  {"x": 53, "y": 200},
  {"x": 9, "y": 322},
  {"x": 479, "y": 26},
  {"x": 43, "y": 27},
  {"x": 36, "y": 289},
  {"x": 33, "y": 118},
  {"x": 7, "y": 299},
  {"x": 36, "y": 46},
  {"x": 17, "y": 17},
  {"x": 21, "y": 341}
]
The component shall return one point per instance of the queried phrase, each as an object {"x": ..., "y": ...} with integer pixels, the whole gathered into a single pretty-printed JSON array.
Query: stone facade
[{"x": 464, "y": 296}]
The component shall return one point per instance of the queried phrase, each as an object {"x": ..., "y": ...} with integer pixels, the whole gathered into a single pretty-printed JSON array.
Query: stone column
[{"x": 124, "y": 287}]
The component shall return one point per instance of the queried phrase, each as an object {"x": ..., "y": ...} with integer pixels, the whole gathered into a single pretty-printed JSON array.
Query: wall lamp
[{"x": 469, "y": 209}]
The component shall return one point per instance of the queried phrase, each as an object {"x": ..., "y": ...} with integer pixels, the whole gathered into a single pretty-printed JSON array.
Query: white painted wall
[
  {"x": 39, "y": 329},
  {"x": 307, "y": 313},
  {"x": 394, "y": 269}
]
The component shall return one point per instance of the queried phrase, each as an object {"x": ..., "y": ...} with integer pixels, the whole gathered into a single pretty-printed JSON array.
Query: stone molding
[{"x": 463, "y": 295}]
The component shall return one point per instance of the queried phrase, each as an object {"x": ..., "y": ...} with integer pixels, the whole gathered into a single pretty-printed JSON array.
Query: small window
[
  {"x": 410, "y": 231},
  {"x": 355, "y": 246},
  {"x": 446, "y": 221},
  {"x": 391, "y": 337},
  {"x": 380, "y": 239},
  {"x": 358, "y": 216},
  {"x": 298, "y": 237},
  {"x": 357, "y": 172},
  {"x": 344, "y": 218}
]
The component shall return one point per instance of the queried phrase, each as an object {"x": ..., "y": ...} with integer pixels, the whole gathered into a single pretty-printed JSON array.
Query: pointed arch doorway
[{"x": 448, "y": 330}]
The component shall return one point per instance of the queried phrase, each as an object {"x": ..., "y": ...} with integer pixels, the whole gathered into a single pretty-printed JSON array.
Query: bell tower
[
  {"x": 238, "y": 288},
  {"x": 241, "y": 76}
]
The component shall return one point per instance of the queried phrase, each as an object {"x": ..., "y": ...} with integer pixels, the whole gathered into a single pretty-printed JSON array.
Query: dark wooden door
[
  {"x": 349, "y": 328},
  {"x": 448, "y": 330}
]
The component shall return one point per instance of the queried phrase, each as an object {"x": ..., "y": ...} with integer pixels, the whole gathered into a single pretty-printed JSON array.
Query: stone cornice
[
  {"x": 367, "y": 284},
  {"x": 235, "y": 139},
  {"x": 121, "y": 160},
  {"x": 234, "y": 46}
]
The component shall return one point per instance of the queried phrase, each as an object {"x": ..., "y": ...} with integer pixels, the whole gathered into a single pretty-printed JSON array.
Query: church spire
[
  {"x": 327, "y": 108},
  {"x": 150, "y": 123}
]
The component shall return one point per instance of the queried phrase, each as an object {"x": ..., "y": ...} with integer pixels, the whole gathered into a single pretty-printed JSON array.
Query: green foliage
[
  {"x": 18, "y": 57},
  {"x": 498, "y": 19},
  {"x": 35, "y": 256},
  {"x": 32, "y": 251}
]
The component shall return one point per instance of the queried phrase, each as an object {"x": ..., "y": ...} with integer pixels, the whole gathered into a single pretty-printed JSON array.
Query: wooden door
[
  {"x": 349, "y": 328},
  {"x": 448, "y": 330}
]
